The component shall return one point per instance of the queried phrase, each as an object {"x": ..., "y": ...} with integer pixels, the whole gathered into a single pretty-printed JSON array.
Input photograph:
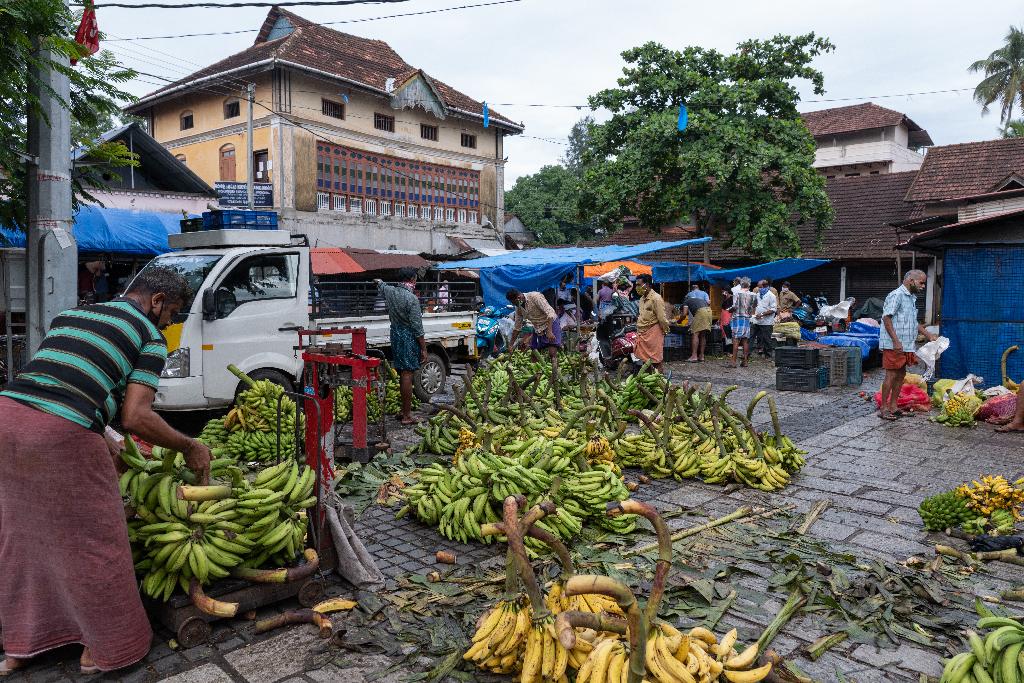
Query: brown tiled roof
[
  {"x": 864, "y": 207},
  {"x": 866, "y": 116},
  {"x": 361, "y": 61},
  {"x": 967, "y": 169},
  {"x": 368, "y": 259}
]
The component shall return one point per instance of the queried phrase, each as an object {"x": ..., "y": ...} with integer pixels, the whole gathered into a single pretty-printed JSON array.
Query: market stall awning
[
  {"x": 601, "y": 268},
  {"x": 774, "y": 270},
  {"x": 540, "y": 269},
  {"x": 327, "y": 261},
  {"x": 368, "y": 259},
  {"x": 114, "y": 231}
]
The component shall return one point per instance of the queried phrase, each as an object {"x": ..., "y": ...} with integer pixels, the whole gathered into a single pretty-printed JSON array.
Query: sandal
[
  {"x": 6, "y": 669},
  {"x": 889, "y": 417}
]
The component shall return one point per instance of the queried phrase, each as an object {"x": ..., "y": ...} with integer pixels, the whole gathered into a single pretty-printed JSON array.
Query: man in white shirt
[
  {"x": 764, "y": 319},
  {"x": 736, "y": 287}
]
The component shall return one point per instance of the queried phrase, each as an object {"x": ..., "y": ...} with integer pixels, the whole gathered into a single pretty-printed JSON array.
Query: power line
[
  {"x": 234, "y": 5},
  {"x": 326, "y": 23}
]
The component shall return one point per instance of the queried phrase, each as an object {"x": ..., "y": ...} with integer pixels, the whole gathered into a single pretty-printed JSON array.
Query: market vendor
[
  {"x": 408, "y": 343},
  {"x": 532, "y": 307},
  {"x": 652, "y": 324},
  {"x": 68, "y": 575},
  {"x": 897, "y": 339}
]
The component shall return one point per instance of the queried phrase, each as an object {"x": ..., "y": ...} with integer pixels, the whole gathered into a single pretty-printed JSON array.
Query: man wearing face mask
[
  {"x": 897, "y": 340},
  {"x": 67, "y": 572},
  {"x": 652, "y": 324}
]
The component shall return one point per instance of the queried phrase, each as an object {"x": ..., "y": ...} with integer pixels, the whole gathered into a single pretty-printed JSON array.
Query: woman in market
[{"x": 67, "y": 566}]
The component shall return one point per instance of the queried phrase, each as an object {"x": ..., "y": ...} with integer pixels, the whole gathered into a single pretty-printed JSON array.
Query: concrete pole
[
  {"x": 250, "y": 93},
  {"x": 51, "y": 253}
]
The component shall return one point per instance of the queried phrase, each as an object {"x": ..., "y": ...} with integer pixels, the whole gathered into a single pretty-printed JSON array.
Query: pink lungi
[
  {"x": 67, "y": 574},
  {"x": 650, "y": 344}
]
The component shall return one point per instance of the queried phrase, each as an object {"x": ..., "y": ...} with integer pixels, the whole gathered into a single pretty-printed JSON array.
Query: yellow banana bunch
[
  {"x": 500, "y": 639},
  {"x": 544, "y": 660}
]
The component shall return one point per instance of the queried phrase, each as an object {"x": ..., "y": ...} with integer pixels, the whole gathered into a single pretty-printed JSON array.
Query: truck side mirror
[{"x": 209, "y": 304}]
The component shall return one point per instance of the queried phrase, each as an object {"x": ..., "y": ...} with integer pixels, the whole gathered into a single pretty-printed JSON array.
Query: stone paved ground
[{"x": 874, "y": 473}]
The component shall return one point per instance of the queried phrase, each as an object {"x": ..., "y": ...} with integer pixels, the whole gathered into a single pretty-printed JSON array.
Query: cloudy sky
[{"x": 560, "y": 51}]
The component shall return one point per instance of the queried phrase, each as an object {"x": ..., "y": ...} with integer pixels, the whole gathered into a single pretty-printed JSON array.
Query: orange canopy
[
  {"x": 327, "y": 261},
  {"x": 600, "y": 269}
]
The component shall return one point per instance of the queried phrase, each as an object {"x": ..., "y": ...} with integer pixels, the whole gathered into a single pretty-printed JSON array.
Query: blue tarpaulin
[
  {"x": 539, "y": 269},
  {"x": 114, "y": 231},
  {"x": 774, "y": 270}
]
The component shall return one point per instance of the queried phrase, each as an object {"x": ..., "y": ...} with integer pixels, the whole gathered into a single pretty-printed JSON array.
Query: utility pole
[
  {"x": 51, "y": 253},
  {"x": 250, "y": 93}
]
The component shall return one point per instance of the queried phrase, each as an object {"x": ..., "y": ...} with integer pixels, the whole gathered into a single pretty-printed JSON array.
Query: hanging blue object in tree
[
  {"x": 683, "y": 117},
  {"x": 487, "y": 116}
]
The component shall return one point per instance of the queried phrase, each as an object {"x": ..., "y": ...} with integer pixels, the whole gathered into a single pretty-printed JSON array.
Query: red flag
[{"x": 88, "y": 34}]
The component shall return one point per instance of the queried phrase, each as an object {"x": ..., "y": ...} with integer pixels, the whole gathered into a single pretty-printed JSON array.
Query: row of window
[
  {"x": 336, "y": 110},
  {"x": 341, "y": 170},
  {"x": 373, "y": 207}
]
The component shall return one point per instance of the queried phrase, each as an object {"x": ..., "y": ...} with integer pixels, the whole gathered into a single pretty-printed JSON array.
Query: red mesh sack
[
  {"x": 911, "y": 398},
  {"x": 997, "y": 408}
]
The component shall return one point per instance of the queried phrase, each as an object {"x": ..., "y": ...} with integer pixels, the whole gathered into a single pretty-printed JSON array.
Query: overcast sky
[{"x": 561, "y": 51}]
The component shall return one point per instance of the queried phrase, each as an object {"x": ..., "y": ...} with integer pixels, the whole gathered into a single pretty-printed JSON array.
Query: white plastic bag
[
  {"x": 966, "y": 385},
  {"x": 929, "y": 355}
]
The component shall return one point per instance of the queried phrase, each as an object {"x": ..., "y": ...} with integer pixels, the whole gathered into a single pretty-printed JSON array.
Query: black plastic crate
[
  {"x": 191, "y": 224},
  {"x": 800, "y": 379},
  {"x": 797, "y": 358}
]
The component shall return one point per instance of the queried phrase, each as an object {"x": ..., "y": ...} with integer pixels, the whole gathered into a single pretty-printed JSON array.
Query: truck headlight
[{"x": 177, "y": 364}]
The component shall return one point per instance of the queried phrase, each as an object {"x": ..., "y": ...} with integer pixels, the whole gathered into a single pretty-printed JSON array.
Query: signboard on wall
[{"x": 237, "y": 194}]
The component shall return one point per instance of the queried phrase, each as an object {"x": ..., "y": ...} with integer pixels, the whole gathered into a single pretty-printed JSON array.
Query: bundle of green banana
[
  {"x": 392, "y": 399},
  {"x": 944, "y": 510},
  {"x": 260, "y": 415},
  {"x": 272, "y": 513},
  {"x": 214, "y": 433},
  {"x": 959, "y": 410},
  {"x": 999, "y": 656},
  {"x": 640, "y": 391}
]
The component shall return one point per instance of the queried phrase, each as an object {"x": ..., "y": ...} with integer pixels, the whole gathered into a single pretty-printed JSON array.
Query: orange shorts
[{"x": 897, "y": 360}]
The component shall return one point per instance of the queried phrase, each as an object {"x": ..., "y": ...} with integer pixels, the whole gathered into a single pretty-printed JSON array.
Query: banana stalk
[
  {"x": 283, "y": 575},
  {"x": 208, "y": 605},
  {"x": 566, "y": 624},
  {"x": 753, "y": 403},
  {"x": 635, "y": 507},
  {"x": 635, "y": 619},
  {"x": 299, "y": 616},
  {"x": 515, "y": 542},
  {"x": 246, "y": 379}
]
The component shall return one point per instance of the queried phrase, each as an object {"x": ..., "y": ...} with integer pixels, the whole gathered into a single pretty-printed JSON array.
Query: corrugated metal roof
[
  {"x": 326, "y": 261},
  {"x": 368, "y": 259}
]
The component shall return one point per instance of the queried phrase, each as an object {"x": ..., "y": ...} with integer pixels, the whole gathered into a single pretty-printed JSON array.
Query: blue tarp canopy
[
  {"x": 774, "y": 270},
  {"x": 539, "y": 269},
  {"x": 114, "y": 231}
]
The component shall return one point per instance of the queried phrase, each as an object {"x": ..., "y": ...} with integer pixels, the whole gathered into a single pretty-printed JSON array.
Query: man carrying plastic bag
[{"x": 898, "y": 340}]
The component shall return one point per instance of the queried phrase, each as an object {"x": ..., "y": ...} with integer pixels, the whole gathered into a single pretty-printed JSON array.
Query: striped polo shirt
[{"x": 86, "y": 361}]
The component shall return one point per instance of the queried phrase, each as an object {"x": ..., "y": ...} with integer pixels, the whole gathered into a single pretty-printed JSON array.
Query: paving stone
[
  {"x": 831, "y": 531},
  {"x": 905, "y": 656},
  {"x": 207, "y": 673},
  {"x": 894, "y": 546},
  {"x": 275, "y": 658}
]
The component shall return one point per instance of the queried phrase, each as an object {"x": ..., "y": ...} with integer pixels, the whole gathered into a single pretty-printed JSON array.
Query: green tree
[
  {"x": 578, "y": 143},
  {"x": 741, "y": 170},
  {"x": 546, "y": 203},
  {"x": 1004, "y": 76},
  {"x": 1014, "y": 129},
  {"x": 95, "y": 101}
]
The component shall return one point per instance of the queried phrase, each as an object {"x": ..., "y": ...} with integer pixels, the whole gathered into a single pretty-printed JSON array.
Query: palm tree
[
  {"x": 1014, "y": 129},
  {"x": 1004, "y": 76}
]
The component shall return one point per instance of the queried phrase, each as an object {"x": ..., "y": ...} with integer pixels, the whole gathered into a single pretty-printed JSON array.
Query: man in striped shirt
[{"x": 63, "y": 538}]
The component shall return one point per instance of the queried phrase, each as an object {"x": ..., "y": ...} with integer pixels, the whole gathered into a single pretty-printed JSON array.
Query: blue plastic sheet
[
  {"x": 862, "y": 342},
  {"x": 808, "y": 335},
  {"x": 981, "y": 312},
  {"x": 860, "y": 328},
  {"x": 114, "y": 231},
  {"x": 568, "y": 256},
  {"x": 495, "y": 282},
  {"x": 774, "y": 270}
]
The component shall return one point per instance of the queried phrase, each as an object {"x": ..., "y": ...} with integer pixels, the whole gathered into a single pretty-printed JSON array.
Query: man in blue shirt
[{"x": 897, "y": 340}]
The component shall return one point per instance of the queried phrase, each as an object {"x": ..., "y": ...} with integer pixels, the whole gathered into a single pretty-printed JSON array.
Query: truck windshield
[{"x": 195, "y": 268}]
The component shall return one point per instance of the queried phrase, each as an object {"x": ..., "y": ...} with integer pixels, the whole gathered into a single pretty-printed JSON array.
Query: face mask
[
  {"x": 154, "y": 317},
  {"x": 764, "y": 290}
]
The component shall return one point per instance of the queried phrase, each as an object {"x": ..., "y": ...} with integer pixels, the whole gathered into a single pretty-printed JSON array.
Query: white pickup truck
[{"x": 253, "y": 289}]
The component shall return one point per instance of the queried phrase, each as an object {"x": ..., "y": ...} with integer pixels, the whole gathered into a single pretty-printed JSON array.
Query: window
[
  {"x": 180, "y": 157},
  {"x": 472, "y": 217},
  {"x": 232, "y": 108},
  {"x": 258, "y": 278},
  {"x": 384, "y": 122},
  {"x": 371, "y": 207},
  {"x": 438, "y": 213},
  {"x": 186, "y": 120},
  {"x": 355, "y": 205},
  {"x": 449, "y": 215},
  {"x": 428, "y": 132},
  {"x": 413, "y": 211},
  {"x": 385, "y": 208},
  {"x": 462, "y": 215},
  {"x": 339, "y": 202},
  {"x": 336, "y": 110},
  {"x": 323, "y": 201},
  {"x": 399, "y": 210},
  {"x": 468, "y": 140}
]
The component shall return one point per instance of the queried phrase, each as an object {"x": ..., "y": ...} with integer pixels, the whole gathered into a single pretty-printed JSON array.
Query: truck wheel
[
  {"x": 430, "y": 379},
  {"x": 276, "y": 376}
]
